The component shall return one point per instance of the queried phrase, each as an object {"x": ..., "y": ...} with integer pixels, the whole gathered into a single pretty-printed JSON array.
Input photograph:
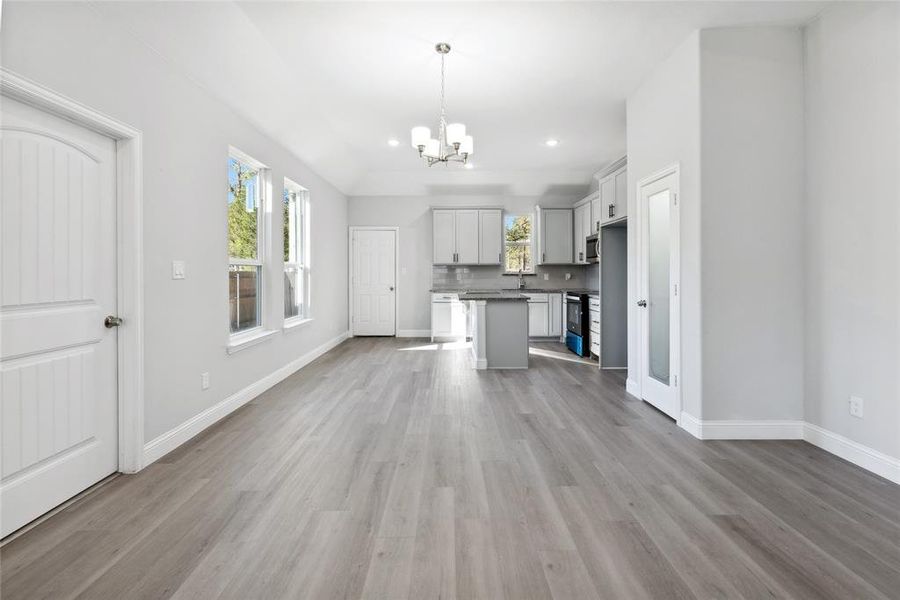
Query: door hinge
[
  {"x": 675, "y": 199},
  {"x": 676, "y": 380},
  {"x": 676, "y": 289}
]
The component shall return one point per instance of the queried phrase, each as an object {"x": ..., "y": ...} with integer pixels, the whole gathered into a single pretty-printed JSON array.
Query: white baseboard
[
  {"x": 691, "y": 424},
  {"x": 413, "y": 333},
  {"x": 741, "y": 430},
  {"x": 165, "y": 443},
  {"x": 862, "y": 456}
]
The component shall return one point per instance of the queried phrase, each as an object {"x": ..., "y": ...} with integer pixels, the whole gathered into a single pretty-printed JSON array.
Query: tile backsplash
[{"x": 492, "y": 277}]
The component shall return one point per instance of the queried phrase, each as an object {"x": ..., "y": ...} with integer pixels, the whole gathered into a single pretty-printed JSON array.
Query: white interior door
[
  {"x": 658, "y": 302},
  {"x": 57, "y": 360},
  {"x": 374, "y": 271}
]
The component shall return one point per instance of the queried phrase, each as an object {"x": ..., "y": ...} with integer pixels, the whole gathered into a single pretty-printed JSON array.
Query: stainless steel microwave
[{"x": 592, "y": 248}]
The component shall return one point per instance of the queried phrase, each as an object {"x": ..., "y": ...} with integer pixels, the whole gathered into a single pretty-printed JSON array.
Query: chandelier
[{"x": 452, "y": 143}]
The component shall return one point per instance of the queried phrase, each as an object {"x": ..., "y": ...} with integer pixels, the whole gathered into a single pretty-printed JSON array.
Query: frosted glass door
[
  {"x": 658, "y": 221},
  {"x": 658, "y": 284}
]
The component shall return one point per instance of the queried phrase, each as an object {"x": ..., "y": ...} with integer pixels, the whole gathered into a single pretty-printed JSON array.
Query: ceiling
[{"x": 333, "y": 81}]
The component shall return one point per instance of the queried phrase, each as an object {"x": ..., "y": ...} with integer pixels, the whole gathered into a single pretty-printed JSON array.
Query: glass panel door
[{"x": 658, "y": 284}]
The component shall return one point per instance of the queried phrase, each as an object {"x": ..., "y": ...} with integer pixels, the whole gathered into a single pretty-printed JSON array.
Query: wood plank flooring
[{"x": 388, "y": 469}]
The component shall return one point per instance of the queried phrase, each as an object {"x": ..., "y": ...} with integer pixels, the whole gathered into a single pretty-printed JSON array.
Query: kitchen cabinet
[
  {"x": 448, "y": 317},
  {"x": 582, "y": 228},
  {"x": 444, "y": 236},
  {"x": 555, "y": 325},
  {"x": 490, "y": 237},
  {"x": 460, "y": 234},
  {"x": 595, "y": 214},
  {"x": 554, "y": 236},
  {"x": 594, "y": 316},
  {"x": 545, "y": 315},
  {"x": 538, "y": 315},
  {"x": 614, "y": 196},
  {"x": 467, "y": 237}
]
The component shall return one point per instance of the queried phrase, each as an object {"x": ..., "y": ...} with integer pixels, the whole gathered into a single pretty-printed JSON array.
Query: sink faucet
[{"x": 521, "y": 280}]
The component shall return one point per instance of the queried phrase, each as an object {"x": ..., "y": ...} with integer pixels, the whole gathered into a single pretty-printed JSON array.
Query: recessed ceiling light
[
  {"x": 393, "y": 142},
  {"x": 552, "y": 143},
  {"x": 470, "y": 166}
]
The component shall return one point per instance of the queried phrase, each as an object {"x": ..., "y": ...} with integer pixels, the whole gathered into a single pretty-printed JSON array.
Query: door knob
[
  {"x": 112, "y": 321},
  {"x": 392, "y": 288},
  {"x": 642, "y": 303}
]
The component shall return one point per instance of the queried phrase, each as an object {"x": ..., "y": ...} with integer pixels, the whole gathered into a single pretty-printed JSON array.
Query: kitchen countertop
[
  {"x": 514, "y": 291},
  {"x": 492, "y": 295}
]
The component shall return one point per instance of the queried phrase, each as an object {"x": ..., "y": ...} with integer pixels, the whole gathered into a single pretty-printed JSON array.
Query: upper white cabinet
[
  {"x": 554, "y": 236},
  {"x": 614, "y": 196},
  {"x": 595, "y": 213},
  {"x": 444, "y": 225},
  {"x": 490, "y": 236},
  {"x": 467, "y": 236},
  {"x": 583, "y": 226}
]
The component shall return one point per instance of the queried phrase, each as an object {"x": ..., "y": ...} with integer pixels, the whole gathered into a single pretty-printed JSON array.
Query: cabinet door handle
[
  {"x": 612, "y": 209},
  {"x": 543, "y": 256}
]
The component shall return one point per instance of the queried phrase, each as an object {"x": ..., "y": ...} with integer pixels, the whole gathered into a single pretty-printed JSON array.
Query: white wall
[
  {"x": 853, "y": 215},
  {"x": 412, "y": 214},
  {"x": 70, "y": 49},
  {"x": 663, "y": 128},
  {"x": 751, "y": 141},
  {"x": 727, "y": 106}
]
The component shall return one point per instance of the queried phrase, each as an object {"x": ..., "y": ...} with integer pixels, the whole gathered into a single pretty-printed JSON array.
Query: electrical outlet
[
  {"x": 178, "y": 269},
  {"x": 568, "y": 276},
  {"x": 546, "y": 276},
  {"x": 856, "y": 407},
  {"x": 204, "y": 381}
]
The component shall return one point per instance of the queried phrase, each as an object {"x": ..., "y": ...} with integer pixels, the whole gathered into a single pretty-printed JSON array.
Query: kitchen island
[{"x": 499, "y": 329}]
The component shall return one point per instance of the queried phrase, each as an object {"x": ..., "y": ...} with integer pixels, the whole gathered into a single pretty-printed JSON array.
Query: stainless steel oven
[
  {"x": 592, "y": 248},
  {"x": 578, "y": 329}
]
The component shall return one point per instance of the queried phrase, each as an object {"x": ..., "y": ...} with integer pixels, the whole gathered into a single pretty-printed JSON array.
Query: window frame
[
  {"x": 238, "y": 340},
  {"x": 303, "y": 264},
  {"x": 529, "y": 243}
]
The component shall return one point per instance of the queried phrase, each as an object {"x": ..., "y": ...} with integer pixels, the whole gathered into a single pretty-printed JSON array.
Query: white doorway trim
[
  {"x": 396, "y": 231},
  {"x": 635, "y": 384},
  {"x": 129, "y": 234}
]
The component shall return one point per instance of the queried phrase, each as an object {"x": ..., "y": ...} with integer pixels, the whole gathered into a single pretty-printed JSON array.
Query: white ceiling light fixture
[
  {"x": 452, "y": 144},
  {"x": 552, "y": 143},
  {"x": 393, "y": 142}
]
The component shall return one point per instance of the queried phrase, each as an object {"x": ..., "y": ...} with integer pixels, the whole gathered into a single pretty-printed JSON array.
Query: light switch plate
[
  {"x": 204, "y": 381},
  {"x": 179, "y": 269}
]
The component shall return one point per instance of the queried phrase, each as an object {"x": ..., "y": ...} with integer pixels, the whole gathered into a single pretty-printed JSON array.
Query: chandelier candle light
[{"x": 452, "y": 143}]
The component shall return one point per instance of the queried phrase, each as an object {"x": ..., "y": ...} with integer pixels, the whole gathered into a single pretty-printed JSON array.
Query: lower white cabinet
[
  {"x": 538, "y": 318},
  {"x": 555, "y": 325},
  {"x": 448, "y": 317},
  {"x": 544, "y": 314}
]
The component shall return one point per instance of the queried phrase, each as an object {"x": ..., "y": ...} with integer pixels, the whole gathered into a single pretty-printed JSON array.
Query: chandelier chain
[{"x": 442, "y": 127}]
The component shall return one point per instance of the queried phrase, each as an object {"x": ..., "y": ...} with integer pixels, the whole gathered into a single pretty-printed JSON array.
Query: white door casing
[
  {"x": 373, "y": 258},
  {"x": 58, "y": 363},
  {"x": 658, "y": 222}
]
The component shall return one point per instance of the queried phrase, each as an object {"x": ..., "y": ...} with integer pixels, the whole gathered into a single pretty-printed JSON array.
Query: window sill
[
  {"x": 242, "y": 341},
  {"x": 296, "y": 323},
  {"x": 516, "y": 274}
]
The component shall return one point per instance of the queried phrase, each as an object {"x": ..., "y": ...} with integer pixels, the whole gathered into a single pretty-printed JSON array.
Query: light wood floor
[{"x": 389, "y": 469}]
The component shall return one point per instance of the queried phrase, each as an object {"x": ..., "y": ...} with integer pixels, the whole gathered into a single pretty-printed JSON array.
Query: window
[
  {"x": 517, "y": 243},
  {"x": 245, "y": 244},
  {"x": 295, "y": 210}
]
